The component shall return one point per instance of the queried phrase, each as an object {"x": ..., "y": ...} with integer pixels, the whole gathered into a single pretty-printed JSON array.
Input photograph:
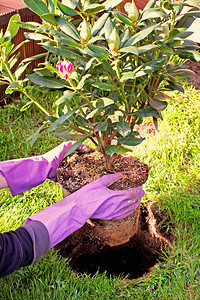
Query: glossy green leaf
[
  {"x": 105, "y": 86},
  {"x": 152, "y": 13},
  {"x": 157, "y": 104},
  {"x": 99, "y": 24},
  {"x": 67, "y": 52},
  {"x": 68, "y": 28},
  {"x": 26, "y": 106},
  {"x": 141, "y": 35},
  {"x": 110, "y": 149},
  {"x": 92, "y": 113},
  {"x": 112, "y": 3},
  {"x": 20, "y": 70},
  {"x": 125, "y": 36},
  {"x": 62, "y": 133},
  {"x": 103, "y": 102},
  {"x": 70, "y": 3},
  {"x": 191, "y": 54},
  {"x": 130, "y": 140},
  {"x": 146, "y": 112},
  {"x": 35, "y": 57},
  {"x": 108, "y": 28},
  {"x": 35, "y": 36},
  {"x": 102, "y": 126},
  {"x": 82, "y": 81},
  {"x": 193, "y": 3},
  {"x": 13, "y": 28},
  {"x": 129, "y": 49},
  {"x": 50, "y": 82},
  {"x": 93, "y": 8},
  {"x": 28, "y": 25},
  {"x": 122, "y": 150},
  {"x": 49, "y": 18},
  {"x": 66, "y": 10},
  {"x": 127, "y": 76},
  {"x": 123, "y": 128},
  {"x": 183, "y": 73},
  {"x": 37, "y": 6},
  {"x": 145, "y": 48},
  {"x": 68, "y": 96},
  {"x": 75, "y": 146},
  {"x": 175, "y": 86},
  {"x": 149, "y": 4},
  {"x": 67, "y": 41},
  {"x": 122, "y": 17},
  {"x": 62, "y": 119}
]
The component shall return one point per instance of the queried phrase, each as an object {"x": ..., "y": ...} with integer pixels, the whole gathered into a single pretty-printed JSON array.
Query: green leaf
[
  {"x": 35, "y": 36},
  {"x": 34, "y": 136},
  {"x": 125, "y": 36},
  {"x": 28, "y": 25},
  {"x": 102, "y": 126},
  {"x": 175, "y": 86},
  {"x": 130, "y": 140},
  {"x": 108, "y": 28},
  {"x": 123, "y": 128},
  {"x": 105, "y": 86},
  {"x": 37, "y": 6},
  {"x": 141, "y": 34},
  {"x": 157, "y": 104},
  {"x": 62, "y": 119},
  {"x": 70, "y": 3},
  {"x": 68, "y": 28},
  {"x": 109, "y": 149},
  {"x": 82, "y": 81},
  {"x": 152, "y": 13},
  {"x": 123, "y": 18},
  {"x": 92, "y": 113},
  {"x": 191, "y": 54},
  {"x": 35, "y": 57},
  {"x": 182, "y": 73},
  {"x": 98, "y": 25},
  {"x": 146, "y": 48},
  {"x": 129, "y": 49},
  {"x": 12, "y": 28},
  {"x": 26, "y": 106},
  {"x": 68, "y": 96},
  {"x": 149, "y": 4},
  {"x": 103, "y": 102},
  {"x": 67, "y": 52},
  {"x": 96, "y": 51},
  {"x": 122, "y": 150},
  {"x": 127, "y": 76},
  {"x": 50, "y": 82},
  {"x": 149, "y": 67},
  {"x": 93, "y": 8},
  {"x": 112, "y": 3},
  {"x": 146, "y": 112},
  {"x": 75, "y": 146},
  {"x": 3, "y": 82},
  {"x": 20, "y": 70},
  {"x": 193, "y": 3},
  {"x": 66, "y": 10},
  {"x": 62, "y": 133},
  {"x": 69, "y": 42},
  {"x": 49, "y": 18}
]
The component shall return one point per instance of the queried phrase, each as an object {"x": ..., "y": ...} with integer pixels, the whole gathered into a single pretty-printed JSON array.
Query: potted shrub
[{"x": 113, "y": 69}]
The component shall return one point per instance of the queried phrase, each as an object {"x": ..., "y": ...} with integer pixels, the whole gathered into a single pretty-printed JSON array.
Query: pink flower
[
  {"x": 69, "y": 67},
  {"x": 65, "y": 68}
]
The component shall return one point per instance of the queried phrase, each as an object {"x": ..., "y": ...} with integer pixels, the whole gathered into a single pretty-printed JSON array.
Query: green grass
[{"x": 174, "y": 183}]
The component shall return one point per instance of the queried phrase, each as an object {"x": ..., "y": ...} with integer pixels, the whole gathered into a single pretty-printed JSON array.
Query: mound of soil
[{"x": 134, "y": 258}]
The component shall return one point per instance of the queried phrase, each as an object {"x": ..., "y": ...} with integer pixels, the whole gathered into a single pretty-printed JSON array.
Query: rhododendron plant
[{"x": 114, "y": 68}]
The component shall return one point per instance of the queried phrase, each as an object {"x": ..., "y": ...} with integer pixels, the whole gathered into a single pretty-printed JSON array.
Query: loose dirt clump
[{"x": 133, "y": 259}]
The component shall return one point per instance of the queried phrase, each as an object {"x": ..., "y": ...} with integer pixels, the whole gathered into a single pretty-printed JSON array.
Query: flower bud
[
  {"x": 85, "y": 33},
  {"x": 133, "y": 13},
  {"x": 65, "y": 68},
  {"x": 114, "y": 41}
]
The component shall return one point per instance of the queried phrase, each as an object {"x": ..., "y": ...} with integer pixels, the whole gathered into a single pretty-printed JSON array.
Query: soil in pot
[
  {"x": 78, "y": 170},
  {"x": 132, "y": 259}
]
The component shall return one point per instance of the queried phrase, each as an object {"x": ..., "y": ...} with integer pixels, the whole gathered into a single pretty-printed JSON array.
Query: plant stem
[{"x": 22, "y": 90}]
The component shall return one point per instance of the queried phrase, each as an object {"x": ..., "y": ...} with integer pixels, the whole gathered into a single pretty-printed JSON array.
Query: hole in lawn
[{"x": 134, "y": 258}]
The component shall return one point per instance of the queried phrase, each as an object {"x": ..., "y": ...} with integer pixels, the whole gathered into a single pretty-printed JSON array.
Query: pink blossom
[
  {"x": 69, "y": 67},
  {"x": 65, "y": 76}
]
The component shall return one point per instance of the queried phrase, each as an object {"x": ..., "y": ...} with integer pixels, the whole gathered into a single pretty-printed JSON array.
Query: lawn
[{"x": 174, "y": 183}]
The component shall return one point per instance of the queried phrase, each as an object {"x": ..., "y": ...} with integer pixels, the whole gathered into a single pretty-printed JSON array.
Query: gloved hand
[
  {"x": 94, "y": 200},
  {"x": 26, "y": 173}
]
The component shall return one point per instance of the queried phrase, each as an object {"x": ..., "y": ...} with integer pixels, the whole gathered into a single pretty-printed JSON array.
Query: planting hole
[{"x": 133, "y": 259}]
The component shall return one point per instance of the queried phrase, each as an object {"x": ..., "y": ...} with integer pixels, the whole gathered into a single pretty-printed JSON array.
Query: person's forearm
[
  {"x": 22, "y": 247},
  {"x": 3, "y": 182}
]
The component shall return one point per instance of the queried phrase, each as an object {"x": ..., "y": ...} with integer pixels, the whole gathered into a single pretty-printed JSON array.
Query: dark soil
[
  {"x": 133, "y": 259},
  {"x": 79, "y": 169}
]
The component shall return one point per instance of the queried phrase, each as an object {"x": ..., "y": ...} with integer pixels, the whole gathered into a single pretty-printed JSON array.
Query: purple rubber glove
[
  {"x": 94, "y": 200},
  {"x": 26, "y": 173}
]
